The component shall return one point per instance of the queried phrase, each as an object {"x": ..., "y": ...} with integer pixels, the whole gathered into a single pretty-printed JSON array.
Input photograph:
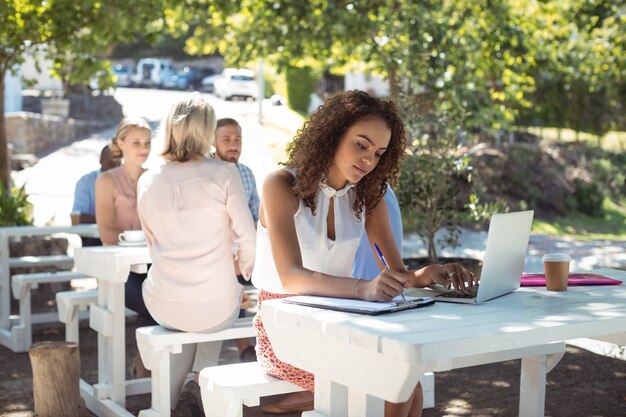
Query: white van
[{"x": 152, "y": 72}]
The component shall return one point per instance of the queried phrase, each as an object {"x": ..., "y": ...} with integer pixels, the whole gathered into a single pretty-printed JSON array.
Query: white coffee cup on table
[{"x": 131, "y": 236}]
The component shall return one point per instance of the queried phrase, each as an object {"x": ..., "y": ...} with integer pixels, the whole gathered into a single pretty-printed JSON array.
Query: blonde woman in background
[
  {"x": 116, "y": 207},
  {"x": 192, "y": 209}
]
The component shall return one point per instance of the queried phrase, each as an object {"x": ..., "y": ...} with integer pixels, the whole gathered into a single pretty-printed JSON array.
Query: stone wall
[
  {"x": 32, "y": 132},
  {"x": 101, "y": 108}
]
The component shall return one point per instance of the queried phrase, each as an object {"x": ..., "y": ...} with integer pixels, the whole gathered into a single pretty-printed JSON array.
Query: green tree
[{"x": 73, "y": 34}]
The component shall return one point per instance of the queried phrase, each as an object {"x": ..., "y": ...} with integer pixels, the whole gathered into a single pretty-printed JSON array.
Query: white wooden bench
[
  {"x": 15, "y": 331},
  {"x": 69, "y": 305},
  {"x": 72, "y": 306},
  {"x": 22, "y": 285},
  {"x": 61, "y": 261},
  {"x": 227, "y": 388},
  {"x": 156, "y": 344}
]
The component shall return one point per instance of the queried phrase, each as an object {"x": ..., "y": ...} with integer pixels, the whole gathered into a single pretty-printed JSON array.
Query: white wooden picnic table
[
  {"x": 111, "y": 266},
  {"x": 14, "y": 329},
  {"x": 358, "y": 361}
]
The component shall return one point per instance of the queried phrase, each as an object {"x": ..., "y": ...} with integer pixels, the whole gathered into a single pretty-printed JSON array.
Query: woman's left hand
[{"x": 454, "y": 276}]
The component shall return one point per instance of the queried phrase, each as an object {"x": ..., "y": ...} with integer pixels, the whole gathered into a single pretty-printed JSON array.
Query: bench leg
[
  {"x": 157, "y": 360},
  {"x": 22, "y": 332},
  {"x": 216, "y": 406},
  {"x": 71, "y": 327}
]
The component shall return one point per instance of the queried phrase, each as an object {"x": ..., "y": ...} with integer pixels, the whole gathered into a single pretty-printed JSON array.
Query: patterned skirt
[{"x": 265, "y": 353}]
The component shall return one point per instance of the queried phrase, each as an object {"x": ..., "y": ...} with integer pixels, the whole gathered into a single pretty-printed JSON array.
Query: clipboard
[{"x": 349, "y": 305}]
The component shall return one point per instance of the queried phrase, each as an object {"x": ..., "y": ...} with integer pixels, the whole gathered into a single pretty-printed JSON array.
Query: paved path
[{"x": 586, "y": 254}]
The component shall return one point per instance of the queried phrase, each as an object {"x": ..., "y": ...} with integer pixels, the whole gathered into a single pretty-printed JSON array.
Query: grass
[
  {"x": 612, "y": 141},
  {"x": 612, "y": 226}
]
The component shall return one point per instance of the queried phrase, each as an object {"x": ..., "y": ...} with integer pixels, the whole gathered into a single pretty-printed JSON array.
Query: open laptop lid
[{"x": 505, "y": 254}]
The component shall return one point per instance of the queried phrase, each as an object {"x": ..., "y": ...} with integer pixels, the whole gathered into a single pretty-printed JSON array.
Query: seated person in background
[
  {"x": 84, "y": 208},
  {"x": 367, "y": 265},
  {"x": 116, "y": 208},
  {"x": 228, "y": 148},
  {"x": 192, "y": 209}
]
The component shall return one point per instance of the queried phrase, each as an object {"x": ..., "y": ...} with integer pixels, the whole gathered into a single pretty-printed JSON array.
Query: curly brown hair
[{"x": 311, "y": 152}]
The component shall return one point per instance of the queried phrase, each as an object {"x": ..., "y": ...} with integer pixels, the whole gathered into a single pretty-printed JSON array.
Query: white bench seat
[
  {"x": 156, "y": 344},
  {"x": 227, "y": 388},
  {"x": 62, "y": 261},
  {"x": 69, "y": 305},
  {"x": 21, "y": 287}
]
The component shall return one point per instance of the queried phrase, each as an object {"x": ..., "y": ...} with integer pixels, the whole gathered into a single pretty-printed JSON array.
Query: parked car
[
  {"x": 153, "y": 72},
  {"x": 188, "y": 78},
  {"x": 208, "y": 83},
  {"x": 199, "y": 74},
  {"x": 236, "y": 83},
  {"x": 174, "y": 80},
  {"x": 124, "y": 75}
]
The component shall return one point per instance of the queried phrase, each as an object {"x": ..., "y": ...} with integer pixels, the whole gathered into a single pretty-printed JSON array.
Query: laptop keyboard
[{"x": 452, "y": 294}]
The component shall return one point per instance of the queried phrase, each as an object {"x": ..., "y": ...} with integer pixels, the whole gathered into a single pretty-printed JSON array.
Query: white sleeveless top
[{"x": 319, "y": 253}]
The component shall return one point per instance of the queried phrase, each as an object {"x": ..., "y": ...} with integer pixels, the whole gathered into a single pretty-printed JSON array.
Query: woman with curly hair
[{"x": 313, "y": 214}]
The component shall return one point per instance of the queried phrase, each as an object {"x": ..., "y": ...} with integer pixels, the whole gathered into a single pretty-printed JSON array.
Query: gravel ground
[{"x": 582, "y": 384}]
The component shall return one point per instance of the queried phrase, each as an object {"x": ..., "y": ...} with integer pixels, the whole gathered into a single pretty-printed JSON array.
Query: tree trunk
[
  {"x": 394, "y": 89},
  {"x": 56, "y": 375},
  {"x": 432, "y": 249},
  {"x": 4, "y": 154}
]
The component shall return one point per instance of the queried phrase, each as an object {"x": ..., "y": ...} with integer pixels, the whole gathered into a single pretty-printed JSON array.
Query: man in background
[
  {"x": 84, "y": 208},
  {"x": 228, "y": 148},
  {"x": 366, "y": 263}
]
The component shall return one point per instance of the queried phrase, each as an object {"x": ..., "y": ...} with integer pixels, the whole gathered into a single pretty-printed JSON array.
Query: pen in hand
[{"x": 382, "y": 259}]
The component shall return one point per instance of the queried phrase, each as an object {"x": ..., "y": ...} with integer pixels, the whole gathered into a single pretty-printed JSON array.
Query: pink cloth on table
[{"x": 539, "y": 280}]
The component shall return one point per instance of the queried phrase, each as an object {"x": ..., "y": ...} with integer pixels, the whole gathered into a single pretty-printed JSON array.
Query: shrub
[
  {"x": 434, "y": 188},
  {"x": 15, "y": 209},
  {"x": 300, "y": 85},
  {"x": 589, "y": 198}
]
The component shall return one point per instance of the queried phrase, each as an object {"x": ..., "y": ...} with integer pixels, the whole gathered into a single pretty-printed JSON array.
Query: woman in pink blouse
[
  {"x": 192, "y": 209},
  {"x": 116, "y": 208}
]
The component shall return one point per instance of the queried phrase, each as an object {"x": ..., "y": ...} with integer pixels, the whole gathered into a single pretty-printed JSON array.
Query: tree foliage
[
  {"x": 485, "y": 64},
  {"x": 490, "y": 62},
  {"x": 73, "y": 34}
]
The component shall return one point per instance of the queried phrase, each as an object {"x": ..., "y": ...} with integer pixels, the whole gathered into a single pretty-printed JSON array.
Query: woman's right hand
[{"x": 387, "y": 285}]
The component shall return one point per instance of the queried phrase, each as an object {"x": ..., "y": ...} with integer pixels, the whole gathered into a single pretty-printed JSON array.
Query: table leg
[
  {"x": 108, "y": 319},
  {"x": 117, "y": 344},
  {"x": 336, "y": 400},
  {"x": 5, "y": 284},
  {"x": 331, "y": 399},
  {"x": 533, "y": 386}
]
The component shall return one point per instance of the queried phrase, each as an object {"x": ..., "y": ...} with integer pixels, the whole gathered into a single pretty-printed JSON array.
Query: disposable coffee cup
[
  {"x": 131, "y": 236},
  {"x": 556, "y": 269},
  {"x": 75, "y": 216}
]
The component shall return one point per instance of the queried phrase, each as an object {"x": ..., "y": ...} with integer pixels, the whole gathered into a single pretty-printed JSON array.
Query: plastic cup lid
[{"x": 556, "y": 257}]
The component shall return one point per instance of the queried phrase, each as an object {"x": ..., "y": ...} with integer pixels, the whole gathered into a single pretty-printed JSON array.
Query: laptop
[{"x": 503, "y": 263}]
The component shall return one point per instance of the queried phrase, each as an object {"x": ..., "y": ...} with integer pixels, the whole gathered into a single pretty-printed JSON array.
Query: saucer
[{"x": 131, "y": 244}]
